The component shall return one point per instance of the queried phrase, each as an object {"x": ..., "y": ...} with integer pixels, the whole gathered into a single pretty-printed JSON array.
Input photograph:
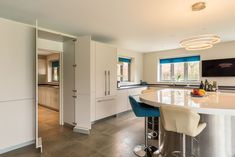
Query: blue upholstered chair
[{"x": 145, "y": 111}]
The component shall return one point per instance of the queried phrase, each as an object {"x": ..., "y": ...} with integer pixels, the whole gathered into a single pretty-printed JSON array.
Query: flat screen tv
[{"x": 218, "y": 68}]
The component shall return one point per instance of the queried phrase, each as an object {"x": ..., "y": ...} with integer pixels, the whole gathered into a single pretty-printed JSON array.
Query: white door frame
[
  {"x": 61, "y": 106},
  {"x": 61, "y": 111},
  {"x": 38, "y": 139}
]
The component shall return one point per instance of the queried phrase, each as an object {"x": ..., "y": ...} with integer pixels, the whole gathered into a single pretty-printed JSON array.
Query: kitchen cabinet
[
  {"x": 49, "y": 96},
  {"x": 105, "y": 80},
  {"x": 42, "y": 66},
  {"x": 105, "y": 107},
  {"x": 123, "y": 103},
  {"x": 106, "y": 70}
]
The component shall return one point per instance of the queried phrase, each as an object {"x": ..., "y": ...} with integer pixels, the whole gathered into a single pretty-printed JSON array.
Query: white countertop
[{"x": 213, "y": 103}]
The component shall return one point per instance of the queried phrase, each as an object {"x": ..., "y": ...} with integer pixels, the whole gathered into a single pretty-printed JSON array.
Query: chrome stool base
[
  {"x": 139, "y": 150},
  {"x": 152, "y": 135},
  {"x": 142, "y": 151}
]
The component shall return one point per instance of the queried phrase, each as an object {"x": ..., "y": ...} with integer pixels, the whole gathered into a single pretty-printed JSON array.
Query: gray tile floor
[{"x": 113, "y": 137}]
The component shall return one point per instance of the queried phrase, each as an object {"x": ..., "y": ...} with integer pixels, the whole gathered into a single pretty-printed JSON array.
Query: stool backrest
[
  {"x": 136, "y": 107},
  {"x": 179, "y": 119}
]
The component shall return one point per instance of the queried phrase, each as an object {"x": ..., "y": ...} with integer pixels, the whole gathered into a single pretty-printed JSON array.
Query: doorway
[
  {"x": 49, "y": 98},
  {"x": 54, "y": 82}
]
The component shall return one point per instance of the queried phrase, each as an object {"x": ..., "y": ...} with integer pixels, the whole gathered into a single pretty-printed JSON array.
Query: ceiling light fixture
[{"x": 200, "y": 42}]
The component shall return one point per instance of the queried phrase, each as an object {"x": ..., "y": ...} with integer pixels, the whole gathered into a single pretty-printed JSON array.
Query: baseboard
[
  {"x": 71, "y": 126},
  {"x": 5, "y": 150},
  {"x": 81, "y": 130}
]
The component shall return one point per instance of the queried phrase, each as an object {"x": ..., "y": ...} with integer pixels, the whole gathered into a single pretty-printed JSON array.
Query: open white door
[
  {"x": 38, "y": 139},
  {"x": 69, "y": 92}
]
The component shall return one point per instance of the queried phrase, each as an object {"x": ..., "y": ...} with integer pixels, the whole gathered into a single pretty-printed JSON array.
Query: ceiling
[{"x": 140, "y": 25}]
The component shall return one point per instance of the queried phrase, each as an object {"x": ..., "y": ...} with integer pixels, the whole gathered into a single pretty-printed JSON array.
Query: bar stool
[
  {"x": 153, "y": 134},
  {"x": 143, "y": 110},
  {"x": 181, "y": 120}
]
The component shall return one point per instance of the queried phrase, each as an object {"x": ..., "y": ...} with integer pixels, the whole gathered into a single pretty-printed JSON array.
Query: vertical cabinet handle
[
  {"x": 109, "y": 82},
  {"x": 105, "y": 82}
]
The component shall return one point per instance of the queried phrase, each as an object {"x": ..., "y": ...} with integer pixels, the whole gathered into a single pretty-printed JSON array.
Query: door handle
[
  {"x": 105, "y": 100},
  {"x": 105, "y": 82},
  {"x": 109, "y": 82},
  {"x": 74, "y": 90},
  {"x": 74, "y": 96}
]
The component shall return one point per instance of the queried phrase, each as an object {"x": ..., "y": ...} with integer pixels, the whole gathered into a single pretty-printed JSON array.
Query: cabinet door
[
  {"x": 122, "y": 99},
  {"x": 106, "y": 59},
  {"x": 105, "y": 107}
]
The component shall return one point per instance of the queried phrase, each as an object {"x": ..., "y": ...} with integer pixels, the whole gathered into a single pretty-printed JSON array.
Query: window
[
  {"x": 55, "y": 71},
  {"x": 180, "y": 69},
  {"x": 123, "y": 69}
]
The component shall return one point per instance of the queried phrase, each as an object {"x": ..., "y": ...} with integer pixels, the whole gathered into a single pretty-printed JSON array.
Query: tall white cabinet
[
  {"x": 95, "y": 82},
  {"x": 106, "y": 80},
  {"x": 106, "y": 70}
]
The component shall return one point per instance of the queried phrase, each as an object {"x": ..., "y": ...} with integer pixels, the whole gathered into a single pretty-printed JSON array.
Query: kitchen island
[{"x": 217, "y": 109}]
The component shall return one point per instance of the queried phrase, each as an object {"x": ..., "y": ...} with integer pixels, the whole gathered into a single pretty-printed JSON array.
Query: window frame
[
  {"x": 121, "y": 71},
  {"x": 185, "y": 73},
  {"x": 52, "y": 71}
]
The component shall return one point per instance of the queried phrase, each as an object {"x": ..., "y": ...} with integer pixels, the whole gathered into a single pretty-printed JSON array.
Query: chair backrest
[
  {"x": 179, "y": 119},
  {"x": 136, "y": 107},
  {"x": 148, "y": 91}
]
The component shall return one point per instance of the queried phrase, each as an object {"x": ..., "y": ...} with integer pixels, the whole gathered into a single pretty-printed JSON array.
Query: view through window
[
  {"x": 123, "y": 69},
  {"x": 55, "y": 71},
  {"x": 180, "y": 69}
]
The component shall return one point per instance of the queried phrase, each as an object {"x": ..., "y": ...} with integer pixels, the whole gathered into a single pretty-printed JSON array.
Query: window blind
[
  {"x": 180, "y": 59},
  {"x": 126, "y": 60}
]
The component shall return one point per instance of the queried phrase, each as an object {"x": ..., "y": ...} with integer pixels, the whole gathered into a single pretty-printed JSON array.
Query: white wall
[
  {"x": 17, "y": 82},
  {"x": 221, "y": 50},
  {"x": 137, "y": 64},
  {"x": 50, "y": 45}
]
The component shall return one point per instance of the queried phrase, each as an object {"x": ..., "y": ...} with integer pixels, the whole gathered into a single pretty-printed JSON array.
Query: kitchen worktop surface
[{"x": 212, "y": 103}]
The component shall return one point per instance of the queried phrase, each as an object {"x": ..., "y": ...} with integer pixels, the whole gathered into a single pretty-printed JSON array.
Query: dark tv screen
[{"x": 218, "y": 68}]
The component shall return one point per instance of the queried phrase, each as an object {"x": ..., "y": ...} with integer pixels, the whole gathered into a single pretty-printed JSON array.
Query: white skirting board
[
  {"x": 81, "y": 130},
  {"x": 5, "y": 150}
]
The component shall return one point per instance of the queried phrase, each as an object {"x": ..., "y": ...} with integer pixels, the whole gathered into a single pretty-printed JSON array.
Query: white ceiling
[{"x": 141, "y": 25}]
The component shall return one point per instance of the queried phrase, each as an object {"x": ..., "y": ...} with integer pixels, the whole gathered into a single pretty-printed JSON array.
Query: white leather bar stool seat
[{"x": 181, "y": 120}]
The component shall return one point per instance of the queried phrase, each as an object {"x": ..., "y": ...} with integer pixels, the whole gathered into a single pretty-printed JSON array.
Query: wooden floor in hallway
[{"x": 112, "y": 137}]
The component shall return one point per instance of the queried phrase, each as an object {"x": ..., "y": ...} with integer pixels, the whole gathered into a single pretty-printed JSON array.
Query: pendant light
[{"x": 199, "y": 42}]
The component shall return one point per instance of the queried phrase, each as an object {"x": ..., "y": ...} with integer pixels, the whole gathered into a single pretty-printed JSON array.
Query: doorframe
[
  {"x": 38, "y": 140},
  {"x": 61, "y": 89},
  {"x": 61, "y": 111}
]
